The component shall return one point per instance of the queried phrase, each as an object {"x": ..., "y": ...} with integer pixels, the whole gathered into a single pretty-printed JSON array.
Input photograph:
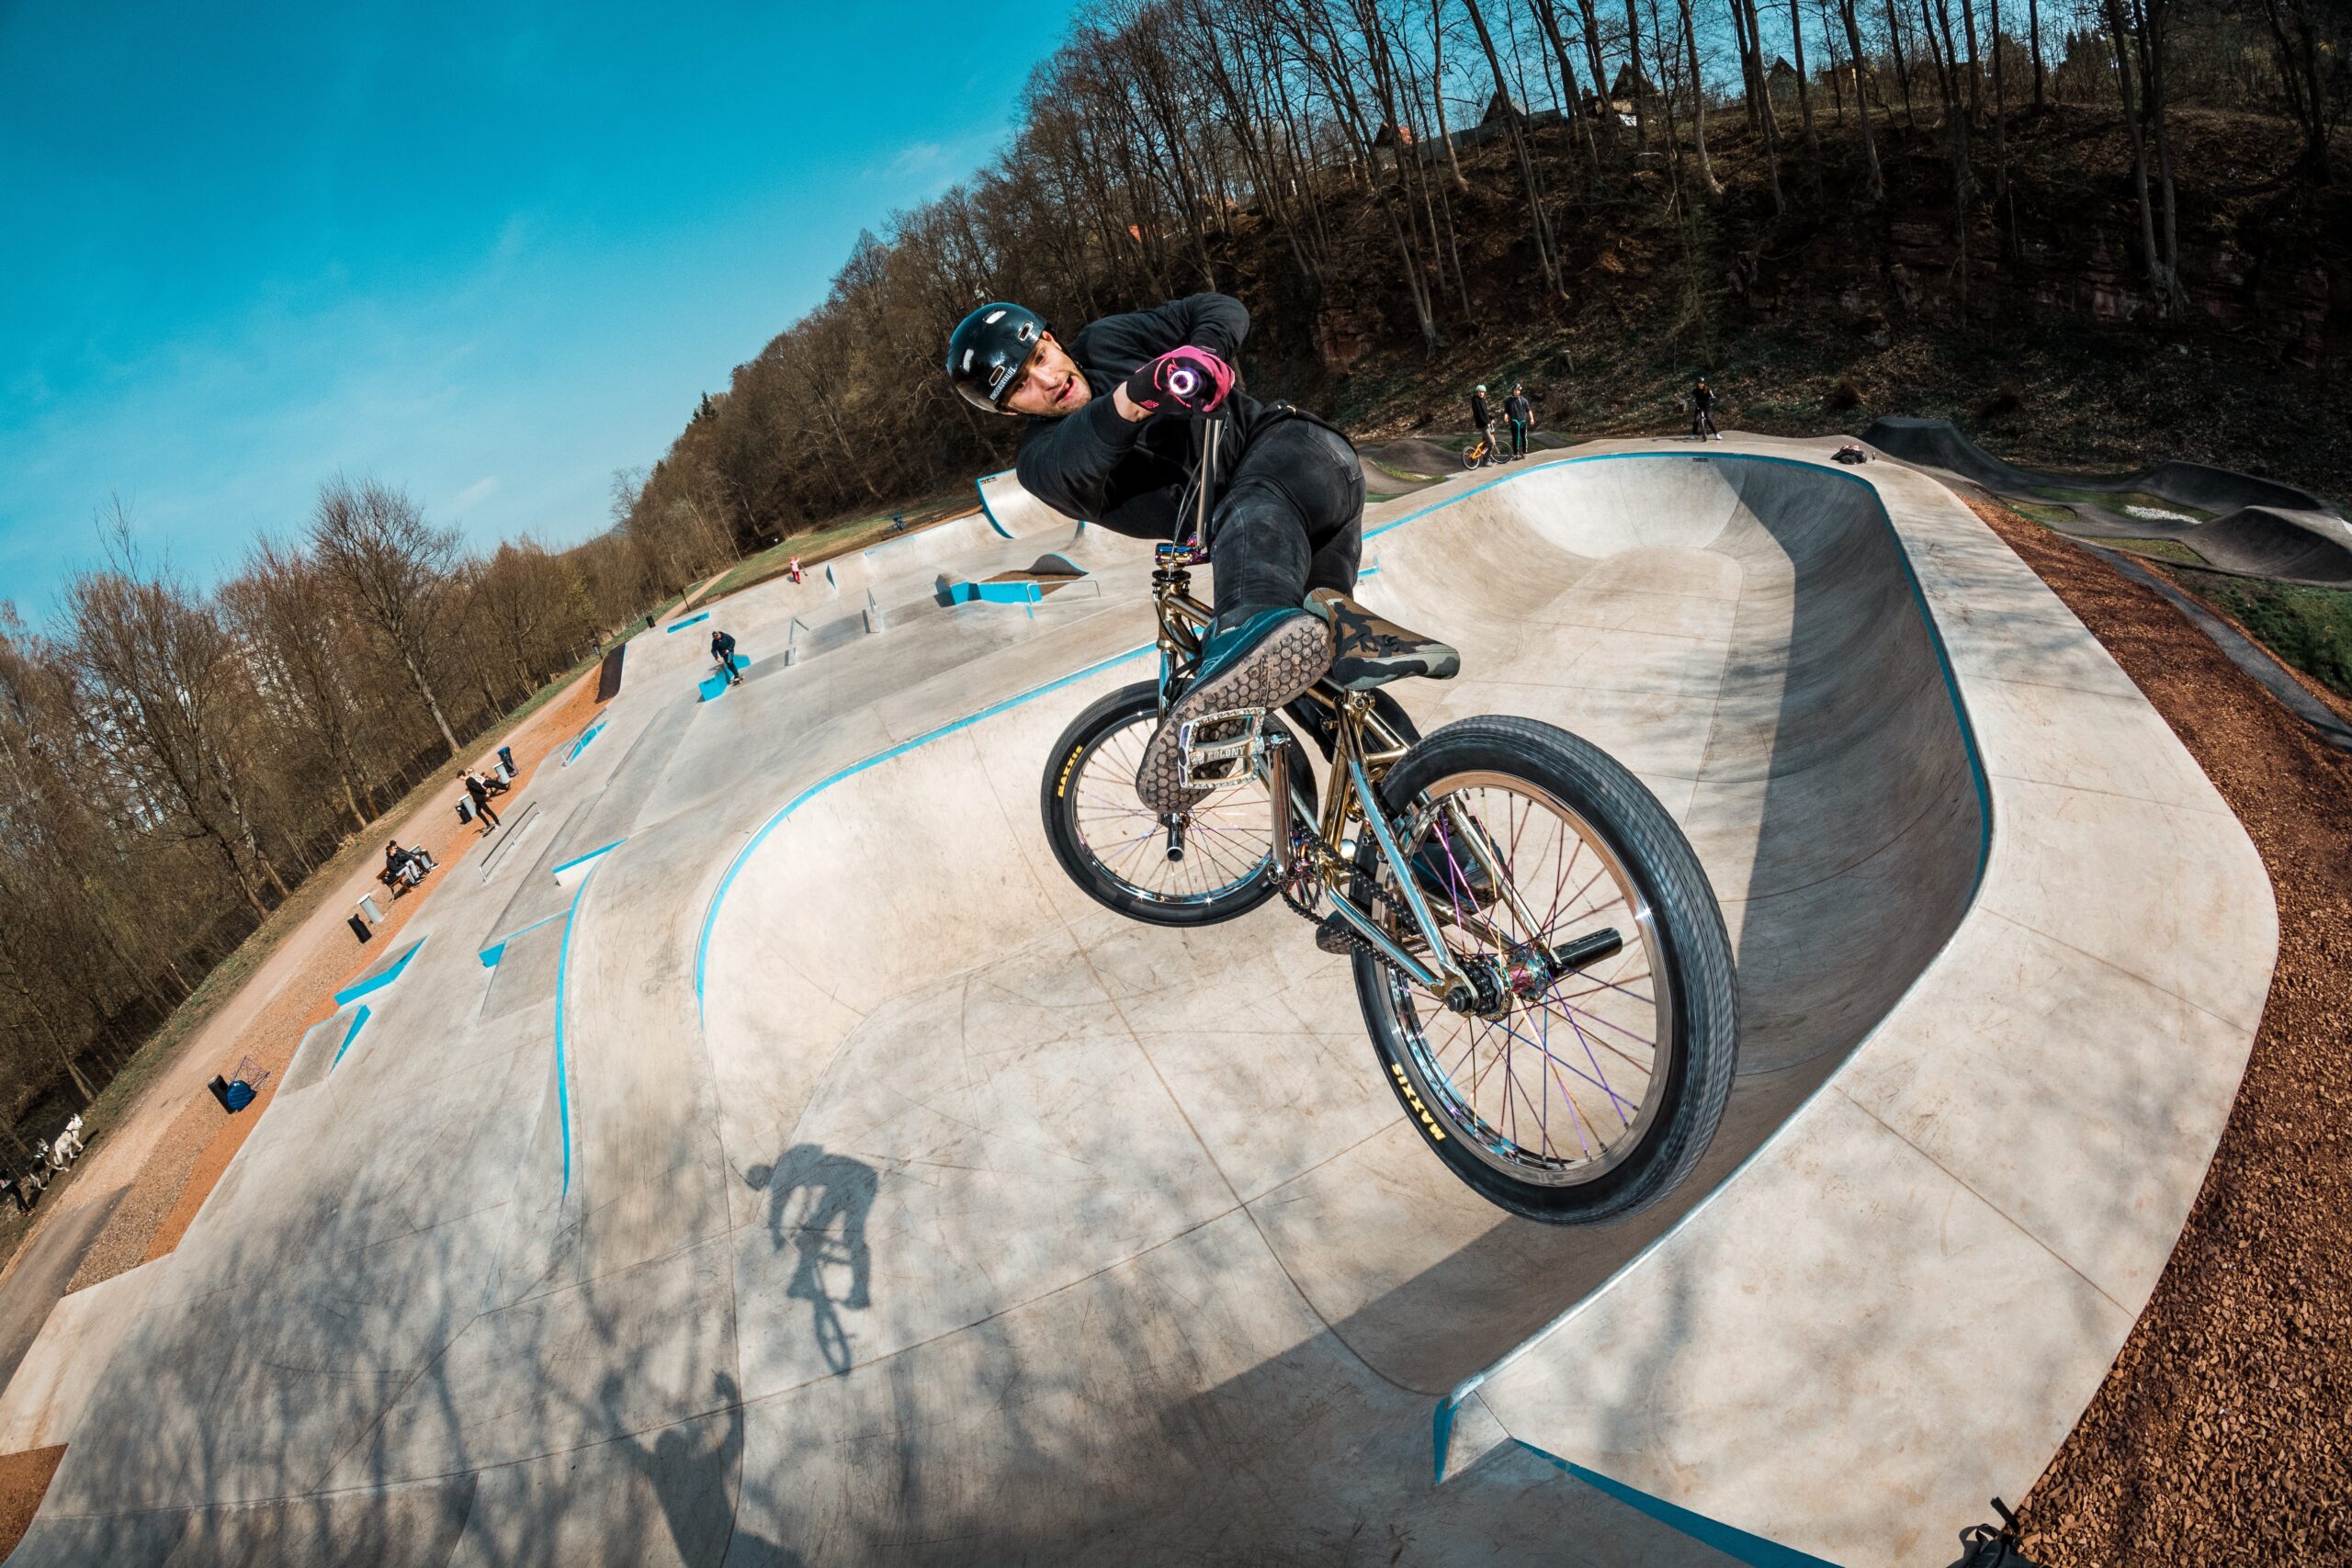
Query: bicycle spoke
[{"x": 1517, "y": 1091}]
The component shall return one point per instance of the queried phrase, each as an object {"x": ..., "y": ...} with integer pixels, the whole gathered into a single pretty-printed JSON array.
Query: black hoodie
[{"x": 1095, "y": 466}]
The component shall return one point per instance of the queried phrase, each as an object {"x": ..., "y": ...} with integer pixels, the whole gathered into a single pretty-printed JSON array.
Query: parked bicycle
[{"x": 1538, "y": 956}]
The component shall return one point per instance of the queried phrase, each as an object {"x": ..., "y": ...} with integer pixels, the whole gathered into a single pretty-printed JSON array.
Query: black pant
[
  {"x": 1702, "y": 422},
  {"x": 1291, "y": 520},
  {"x": 482, "y": 811}
]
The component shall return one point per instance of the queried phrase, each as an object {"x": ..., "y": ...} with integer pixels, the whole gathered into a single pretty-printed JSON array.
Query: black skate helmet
[{"x": 989, "y": 348}]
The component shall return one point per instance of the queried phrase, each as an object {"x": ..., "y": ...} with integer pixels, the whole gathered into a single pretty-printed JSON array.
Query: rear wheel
[
  {"x": 1582, "y": 1072},
  {"x": 1119, "y": 852}
]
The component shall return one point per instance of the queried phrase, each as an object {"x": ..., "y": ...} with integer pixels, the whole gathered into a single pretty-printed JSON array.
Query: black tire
[
  {"x": 1135, "y": 709},
  {"x": 1692, "y": 1061}
]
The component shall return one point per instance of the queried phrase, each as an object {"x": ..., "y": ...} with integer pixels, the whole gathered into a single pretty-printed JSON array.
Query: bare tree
[
  {"x": 390, "y": 564},
  {"x": 166, "y": 674},
  {"x": 286, "y": 614},
  {"x": 1877, "y": 188}
]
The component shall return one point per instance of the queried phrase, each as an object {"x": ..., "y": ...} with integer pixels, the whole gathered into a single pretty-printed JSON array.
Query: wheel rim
[
  {"x": 1227, "y": 837},
  {"x": 1562, "y": 1077}
]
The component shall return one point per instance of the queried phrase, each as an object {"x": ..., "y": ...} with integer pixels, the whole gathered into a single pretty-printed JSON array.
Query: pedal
[{"x": 1208, "y": 759}]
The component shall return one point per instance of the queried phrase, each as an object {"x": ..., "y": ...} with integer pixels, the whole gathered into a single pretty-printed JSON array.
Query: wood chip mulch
[
  {"x": 2223, "y": 1432},
  {"x": 24, "y": 1480}
]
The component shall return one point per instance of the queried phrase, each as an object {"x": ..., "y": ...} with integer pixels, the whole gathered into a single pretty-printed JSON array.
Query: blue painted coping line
[
  {"x": 1729, "y": 1540},
  {"x": 379, "y": 980},
  {"x": 690, "y": 620},
  {"x": 981, "y": 485},
  {"x": 710, "y": 915},
  {"x": 491, "y": 955},
  {"x": 359, "y": 1022},
  {"x": 562, "y": 972},
  {"x": 558, "y": 872},
  {"x": 1443, "y": 1420},
  {"x": 582, "y": 744}
]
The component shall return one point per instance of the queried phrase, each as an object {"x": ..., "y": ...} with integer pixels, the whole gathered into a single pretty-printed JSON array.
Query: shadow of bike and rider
[{"x": 816, "y": 1206}]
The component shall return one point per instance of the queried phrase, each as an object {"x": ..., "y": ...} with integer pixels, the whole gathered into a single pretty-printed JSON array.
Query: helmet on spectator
[{"x": 989, "y": 349}]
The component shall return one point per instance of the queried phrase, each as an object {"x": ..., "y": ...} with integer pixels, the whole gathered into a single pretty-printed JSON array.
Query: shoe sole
[{"x": 1269, "y": 675}]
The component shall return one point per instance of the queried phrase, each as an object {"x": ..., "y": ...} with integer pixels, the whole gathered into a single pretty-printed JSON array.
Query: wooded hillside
[{"x": 1820, "y": 201}]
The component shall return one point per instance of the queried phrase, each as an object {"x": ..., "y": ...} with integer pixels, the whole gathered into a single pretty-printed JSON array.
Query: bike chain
[{"x": 1305, "y": 908}]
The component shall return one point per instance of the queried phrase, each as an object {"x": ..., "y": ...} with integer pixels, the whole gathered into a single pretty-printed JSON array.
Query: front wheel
[
  {"x": 1582, "y": 1071},
  {"x": 1217, "y": 861}
]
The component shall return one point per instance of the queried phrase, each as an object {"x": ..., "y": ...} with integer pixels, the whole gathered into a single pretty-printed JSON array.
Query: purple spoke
[{"x": 1600, "y": 1084}]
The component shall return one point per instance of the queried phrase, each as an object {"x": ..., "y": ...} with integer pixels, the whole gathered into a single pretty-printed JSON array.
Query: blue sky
[{"x": 490, "y": 253}]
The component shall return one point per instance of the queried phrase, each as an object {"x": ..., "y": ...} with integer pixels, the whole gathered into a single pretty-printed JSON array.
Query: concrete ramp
[
  {"x": 1940, "y": 443},
  {"x": 1060, "y": 1100},
  {"x": 821, "y": 1177},
  {"x": 2276, "y": 543}
]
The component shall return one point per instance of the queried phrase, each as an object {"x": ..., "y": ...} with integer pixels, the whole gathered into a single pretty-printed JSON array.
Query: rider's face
[{"x": 1051, "y": 385}]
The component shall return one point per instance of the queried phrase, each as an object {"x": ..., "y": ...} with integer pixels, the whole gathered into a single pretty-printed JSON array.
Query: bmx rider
[{"x": 1107, "y": 437}]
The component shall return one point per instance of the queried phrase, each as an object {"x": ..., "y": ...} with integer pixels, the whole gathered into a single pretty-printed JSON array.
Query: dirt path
[{"x": 2222, "y": 1434}]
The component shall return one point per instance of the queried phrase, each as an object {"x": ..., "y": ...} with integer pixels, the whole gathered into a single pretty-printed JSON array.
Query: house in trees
[
  {"x": 1781, "y": 82},
  {"x": 1395, "y": 139},
  {"x": 1630, "y": 86}
]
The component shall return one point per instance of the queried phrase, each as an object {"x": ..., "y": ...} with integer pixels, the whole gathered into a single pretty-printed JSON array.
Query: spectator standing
[
  {"x": 1522, "y": 413},
  {"x": 480, "y": 793},
  {"x": 1702, "y": 413}
]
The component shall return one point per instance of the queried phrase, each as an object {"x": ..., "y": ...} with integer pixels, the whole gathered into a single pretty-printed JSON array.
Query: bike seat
[{"x": 1370, "y": 651}]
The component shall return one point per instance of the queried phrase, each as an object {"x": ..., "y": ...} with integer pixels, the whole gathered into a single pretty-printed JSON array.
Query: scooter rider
[
  {"x": 1107, "y": 438},
  {"x": 722, "y": 653},
  {"x": 1703, "y": 412},
  {"x": 1522, "y": 413}
]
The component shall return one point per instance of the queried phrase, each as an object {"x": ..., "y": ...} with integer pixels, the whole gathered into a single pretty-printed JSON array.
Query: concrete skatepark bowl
[{"x": 811, "y": 1175}]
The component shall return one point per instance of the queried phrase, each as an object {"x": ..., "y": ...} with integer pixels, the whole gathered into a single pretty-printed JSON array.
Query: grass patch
[
  {"x": 2311, "y": 629},
  {"x": 821, "y": 545},
  {"x": 2047, "y": 515},
  {"x": 2160, "y": 549},
  {"x": 2119, "y": 500}
]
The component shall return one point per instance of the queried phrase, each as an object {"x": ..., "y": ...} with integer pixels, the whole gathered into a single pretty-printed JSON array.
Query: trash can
[
  {"x": 465, "y": 808},
  {"x": 368, "y": 907},
  {"x": 507, "y": 756},
  {"x": 359, "y": 929},
  {"x": 506, "y": 771}
]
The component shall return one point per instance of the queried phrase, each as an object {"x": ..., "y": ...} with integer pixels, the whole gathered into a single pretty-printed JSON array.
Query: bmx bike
[
  {"x": 1538, "y": 956},
  {"x": 1484, "y": 450}
]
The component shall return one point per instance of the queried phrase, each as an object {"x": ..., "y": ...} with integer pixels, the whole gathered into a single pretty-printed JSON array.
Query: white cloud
[{"x": 464, "y": 501}]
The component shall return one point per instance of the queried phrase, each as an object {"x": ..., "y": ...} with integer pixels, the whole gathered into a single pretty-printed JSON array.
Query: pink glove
[{"x": 1183, "y": 380}]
